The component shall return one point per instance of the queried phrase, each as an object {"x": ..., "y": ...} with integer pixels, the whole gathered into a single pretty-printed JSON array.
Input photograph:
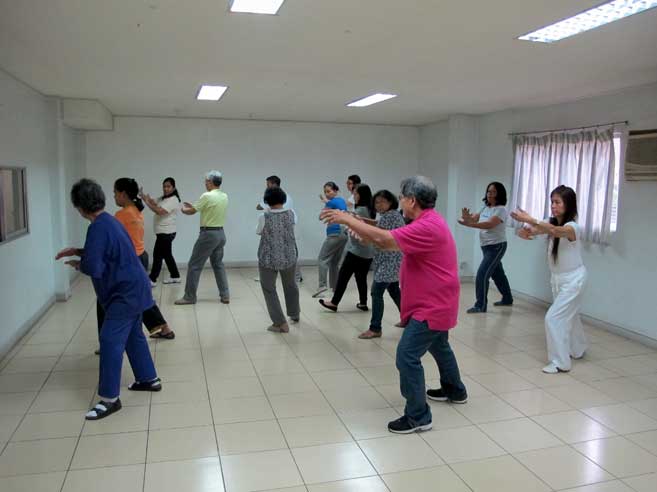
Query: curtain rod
[{"x": 568, "y": 129}]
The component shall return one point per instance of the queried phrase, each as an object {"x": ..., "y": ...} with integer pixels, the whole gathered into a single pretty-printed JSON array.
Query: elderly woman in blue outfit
[{"x": 123, "y": 289}]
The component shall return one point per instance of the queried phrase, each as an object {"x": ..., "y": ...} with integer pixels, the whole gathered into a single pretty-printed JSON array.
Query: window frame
[{"x": 8, "y": 237}]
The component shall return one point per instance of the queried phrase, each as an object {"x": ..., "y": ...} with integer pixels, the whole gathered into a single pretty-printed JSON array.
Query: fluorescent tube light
[
  {"x": 369, "y": 100},
  {"x": 589, "y": 19},
  {"x": 256, "y": 6},
  {"x": 211, "y": 92}
]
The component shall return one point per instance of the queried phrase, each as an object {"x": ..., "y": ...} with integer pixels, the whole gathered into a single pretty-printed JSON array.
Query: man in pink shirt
[{"x": 430, "y": 298}]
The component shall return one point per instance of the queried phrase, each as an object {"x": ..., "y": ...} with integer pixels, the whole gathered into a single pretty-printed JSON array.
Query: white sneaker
[
  {"x": 552, "y": 368},
  {"x": 171, "y": 281},
  {"x": 153, "y": 284}
]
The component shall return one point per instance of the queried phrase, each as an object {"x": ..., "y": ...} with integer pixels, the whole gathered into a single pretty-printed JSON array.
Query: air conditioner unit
[{"x": 641, "y": 156}]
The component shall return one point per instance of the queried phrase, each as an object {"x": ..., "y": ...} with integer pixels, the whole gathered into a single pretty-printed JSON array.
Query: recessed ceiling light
[
  {"x": 256, "y": 6},
  {"x": 589, "y": 19},
  {"x": 369, "y": 100},
  {"x": 211, "y": 92}
]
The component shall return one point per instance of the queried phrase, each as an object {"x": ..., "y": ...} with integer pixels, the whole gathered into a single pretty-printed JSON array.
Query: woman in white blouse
[
  {"x": 565, "y": 335},
  {"x": 164, "y": 224}
]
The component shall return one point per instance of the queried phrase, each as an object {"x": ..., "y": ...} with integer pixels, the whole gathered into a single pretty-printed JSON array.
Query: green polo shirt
[{"x": 212, "y": 206}]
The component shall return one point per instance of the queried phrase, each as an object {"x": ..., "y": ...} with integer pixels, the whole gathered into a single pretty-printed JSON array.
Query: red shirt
[{"x": 429, "y": 275}]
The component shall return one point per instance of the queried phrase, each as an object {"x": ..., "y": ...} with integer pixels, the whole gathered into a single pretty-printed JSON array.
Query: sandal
[
  {"x": 369, "y": 334},
  {"x": 362, "y": 307},
  {"x": 154, "y": 385},
  {"x": 103, "y": 409},
  {"x": 327, "y": 306},
  {"x": 167, "y": 336}
]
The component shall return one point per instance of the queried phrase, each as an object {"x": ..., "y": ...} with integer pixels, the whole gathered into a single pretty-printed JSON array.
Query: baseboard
[
  {"x": 598, "y": 323},
  {"x": 24, "y": 329}
]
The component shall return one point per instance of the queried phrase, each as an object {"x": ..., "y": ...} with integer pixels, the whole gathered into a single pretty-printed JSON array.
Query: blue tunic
[{"x": 120, "y": 281}]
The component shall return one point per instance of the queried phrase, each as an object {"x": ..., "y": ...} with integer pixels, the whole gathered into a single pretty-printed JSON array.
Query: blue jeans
[
  {"x": 378, "y": 289},
  {"x": 491, "y": 267},
  {"x": 415, "y": 342}
]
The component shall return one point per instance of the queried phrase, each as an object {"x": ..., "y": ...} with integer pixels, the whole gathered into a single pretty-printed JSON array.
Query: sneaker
[
  {"x": 321, "y": 292},
  {"x": 503, "y": 303},
  {"x": 474, "y": 310},
  {"x": 439, "y": 395},
  {"x": 403, "y": 426},
  {"x": 153, "y": 284},
  {"x": 171, "y": 281},
  {"x": 552, "y": 368},
  {"x": 183, "y": 302}
]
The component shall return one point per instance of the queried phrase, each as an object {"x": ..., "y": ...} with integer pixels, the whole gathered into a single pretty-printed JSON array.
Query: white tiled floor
[{"x": 244, "y": 409}]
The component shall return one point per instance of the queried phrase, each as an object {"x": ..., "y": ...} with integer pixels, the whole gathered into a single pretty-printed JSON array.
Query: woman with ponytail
[
  {"x": 126, "y": 196},
  {"x": 565, "y": 336},
  {"x": 164, "y": 224}
]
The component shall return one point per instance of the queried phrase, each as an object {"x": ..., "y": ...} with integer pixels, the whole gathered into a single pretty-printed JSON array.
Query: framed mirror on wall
[{"x": 13, "y": 203}]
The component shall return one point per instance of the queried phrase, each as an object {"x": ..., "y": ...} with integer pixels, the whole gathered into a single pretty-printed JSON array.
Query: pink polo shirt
[{"x": 429, "y": 275}]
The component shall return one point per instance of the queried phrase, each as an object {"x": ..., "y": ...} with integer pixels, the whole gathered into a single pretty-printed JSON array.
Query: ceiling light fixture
[
  {"x": 269, "y": 7},
  {"x": 211, "y": 92},
  {"x": 589, "y": 19},
  {"x": 369, "y": 100}
]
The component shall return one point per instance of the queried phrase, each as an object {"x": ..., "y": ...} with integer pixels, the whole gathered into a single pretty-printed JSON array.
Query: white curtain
[{"x": 583, "y": 160}]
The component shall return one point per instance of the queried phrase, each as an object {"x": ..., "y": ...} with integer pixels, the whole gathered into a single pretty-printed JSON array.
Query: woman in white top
[
  {"x": 164, "y": 224},
  {"x": 491, "y": 222},
  {"x": 565, "y": 335}
]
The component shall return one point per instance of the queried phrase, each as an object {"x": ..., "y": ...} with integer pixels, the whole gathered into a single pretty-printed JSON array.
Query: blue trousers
[
  {"x": 491, "y": 267},
  {"x": 117, "y": 336},
  {"x": 414, "y": 343}
]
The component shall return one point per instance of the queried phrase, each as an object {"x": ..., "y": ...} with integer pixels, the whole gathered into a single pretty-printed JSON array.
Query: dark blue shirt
[
  {"x": 339, "y": 204},
  {"x": 120, "y": 281}
]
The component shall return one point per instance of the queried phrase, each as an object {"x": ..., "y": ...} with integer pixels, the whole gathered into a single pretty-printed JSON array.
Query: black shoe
[
  {"x": 403, "y": 426},
  {"x": 103, "y": 409},
  {"x": 439, "y": 395},
  {"x": 362, "y": 307},
  {"x": 155, "y": 385},
  {"x": 503, "y": 303},
  {"x": 474, "y": 310}
]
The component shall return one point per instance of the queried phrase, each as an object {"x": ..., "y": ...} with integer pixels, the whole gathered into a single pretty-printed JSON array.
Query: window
[
  {"x": 587, "y": 160},
  {"x": 13, "y": 203}
]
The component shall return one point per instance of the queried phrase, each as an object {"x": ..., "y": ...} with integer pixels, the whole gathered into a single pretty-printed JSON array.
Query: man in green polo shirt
[{"x": 212, "y": 206}]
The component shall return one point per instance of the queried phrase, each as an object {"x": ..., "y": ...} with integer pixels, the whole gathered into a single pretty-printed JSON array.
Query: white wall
[
  {"x": 26, "y": 264},
  {"x": 434, "y": 159},
  {"x": 304, "y": 155},
  {"x": 621, "y": 287},
  {"x": 32, "y": 136}
]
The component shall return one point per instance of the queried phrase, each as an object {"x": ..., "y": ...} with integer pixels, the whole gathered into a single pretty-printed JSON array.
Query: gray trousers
[
  {"x": 210, "y": 244},
  {"x": 329, "y": 259},
  {"x": 290, "y": 291}
]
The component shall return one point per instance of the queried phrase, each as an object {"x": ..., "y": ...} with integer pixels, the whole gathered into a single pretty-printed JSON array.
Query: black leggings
[
  {"x": 152, "y": 317},
  {"x": 162, "y": 252},
  {"x": 352, "y": 265}
]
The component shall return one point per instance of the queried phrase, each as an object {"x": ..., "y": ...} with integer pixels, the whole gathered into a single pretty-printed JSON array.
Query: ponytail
[{"x": 131, "y": 188}]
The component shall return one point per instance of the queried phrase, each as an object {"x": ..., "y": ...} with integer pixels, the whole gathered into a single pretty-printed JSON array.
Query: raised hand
[
  {"x": 521, "y": 216},
  {"x": 73, "y": 264},
  {"x": 332, "y": 216},
  {"x": 67, "y": 252},
  {"x": 525, "y": 233}
]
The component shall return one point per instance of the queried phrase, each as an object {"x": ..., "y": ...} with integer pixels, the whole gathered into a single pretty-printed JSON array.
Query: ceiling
[{"x": 148, "y": 57}]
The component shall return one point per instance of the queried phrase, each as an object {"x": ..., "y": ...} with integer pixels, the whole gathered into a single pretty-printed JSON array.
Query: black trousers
[
  {"x": 357, "y": 266},
  {"x": 152, "y": 317},
  {"x": 163, "y": 252}
]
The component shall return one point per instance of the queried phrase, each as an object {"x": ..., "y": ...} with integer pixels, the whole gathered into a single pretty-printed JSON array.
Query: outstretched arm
[
  {"x": 380, "y": 238},
  {"x": 544, "y": 227}
]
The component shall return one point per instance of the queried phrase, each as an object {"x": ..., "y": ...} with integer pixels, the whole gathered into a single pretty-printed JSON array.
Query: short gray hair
[
  {"x": 422, "y": 189},
  {"x": 215, "y": 177}
]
